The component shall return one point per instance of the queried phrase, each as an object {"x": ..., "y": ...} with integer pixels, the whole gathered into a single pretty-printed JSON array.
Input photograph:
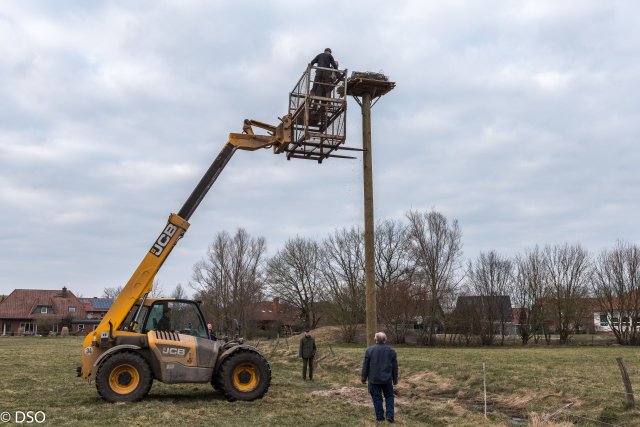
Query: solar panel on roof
[{"x": 102, "y": 303}]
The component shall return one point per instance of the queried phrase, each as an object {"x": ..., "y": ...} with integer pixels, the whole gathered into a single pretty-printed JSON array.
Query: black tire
[
  {"x": 124, "y": 377},
  {"x": 245, "y": 375},
  {"x": 214, "y": 383}
]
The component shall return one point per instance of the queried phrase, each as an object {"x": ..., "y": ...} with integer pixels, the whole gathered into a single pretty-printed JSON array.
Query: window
[
  {"x": 43, "y": 310},
  {"x": 27, "y": 327},
  {"x": 80, "y": 327},
  {"x": 178, "y": 316},
  {"x": 128, "y": 325},
  {"x": 72, "y": 309},
  {"x": 603, "y": 320}
]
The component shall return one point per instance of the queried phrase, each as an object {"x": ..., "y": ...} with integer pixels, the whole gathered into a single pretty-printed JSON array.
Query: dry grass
[
  {"x": 536, "y": 420},
  {"x": 438, "y": 387}
]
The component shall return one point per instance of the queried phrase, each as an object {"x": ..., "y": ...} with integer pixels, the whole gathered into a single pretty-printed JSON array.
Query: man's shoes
[{"x": 390, "y": 420}]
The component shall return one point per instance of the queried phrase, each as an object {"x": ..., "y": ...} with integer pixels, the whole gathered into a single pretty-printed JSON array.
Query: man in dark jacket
[
  {"x": 323, "y": 77},
  {"x": 307, "y": 352},
  {"x": 380, "y": 367}
]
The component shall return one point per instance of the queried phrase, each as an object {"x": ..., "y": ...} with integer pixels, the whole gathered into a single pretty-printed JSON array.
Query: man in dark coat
[
  {"x": 323, "y": 77},
  {"x": 164, "y": 324},
  {"x": 380, "y": 367},
  {"x": 307, "y": 352}
]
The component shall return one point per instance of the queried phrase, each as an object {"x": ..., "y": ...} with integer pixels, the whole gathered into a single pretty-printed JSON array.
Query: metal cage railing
[{"x": 318, "y": 109}]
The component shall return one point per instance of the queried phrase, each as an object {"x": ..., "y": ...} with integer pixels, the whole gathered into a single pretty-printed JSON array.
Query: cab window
[
  {"x": 177, "y": 316},
  {"x": 127, "y": 324}
]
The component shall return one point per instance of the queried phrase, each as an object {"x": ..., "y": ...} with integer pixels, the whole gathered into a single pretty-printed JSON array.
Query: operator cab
[{"x": 182, "y": 316}]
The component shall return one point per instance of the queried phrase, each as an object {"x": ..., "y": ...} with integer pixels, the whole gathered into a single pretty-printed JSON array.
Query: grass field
[{"x": 438, "y": 386}]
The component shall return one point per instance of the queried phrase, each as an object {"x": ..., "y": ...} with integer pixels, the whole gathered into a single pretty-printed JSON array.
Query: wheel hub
[
  {"x": 244, "y": 377},
  {"x": 124, "y": 379}
]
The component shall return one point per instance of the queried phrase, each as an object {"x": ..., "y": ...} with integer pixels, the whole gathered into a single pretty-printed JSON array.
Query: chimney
[{"x": 64, "y": 292}]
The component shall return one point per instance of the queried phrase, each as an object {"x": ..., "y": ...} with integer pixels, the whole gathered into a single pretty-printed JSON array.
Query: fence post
[
  {"x": 627, "y": 382},
  {"x": 484, "y": 380}
]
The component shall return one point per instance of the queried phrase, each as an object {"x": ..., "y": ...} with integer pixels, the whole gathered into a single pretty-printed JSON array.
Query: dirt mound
[
  {"x": 358, "y": 396},
  {"x": 351, "y": 395}
]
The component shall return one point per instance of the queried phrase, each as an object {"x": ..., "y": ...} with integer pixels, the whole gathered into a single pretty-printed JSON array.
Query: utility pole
[{"x": 366, "y": 89}]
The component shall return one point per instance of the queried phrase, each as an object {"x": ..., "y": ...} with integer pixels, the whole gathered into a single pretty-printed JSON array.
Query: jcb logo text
[
  {"x": 163, "y": 239},
  {"x": 174, "y": 351}
]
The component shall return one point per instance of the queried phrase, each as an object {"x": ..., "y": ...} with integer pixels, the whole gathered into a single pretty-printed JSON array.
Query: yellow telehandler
[{"x": 141, "y": 339}]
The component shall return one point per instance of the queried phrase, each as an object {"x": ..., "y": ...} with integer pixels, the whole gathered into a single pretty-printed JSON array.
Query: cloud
[{"x": 516, "y": 118}]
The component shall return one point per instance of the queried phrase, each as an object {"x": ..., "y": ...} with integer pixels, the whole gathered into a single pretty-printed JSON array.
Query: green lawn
[{"x": 438, "y": 386}]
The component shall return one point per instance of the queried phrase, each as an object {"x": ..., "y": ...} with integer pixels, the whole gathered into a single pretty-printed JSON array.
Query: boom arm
[{"x": 141, "y": 282}]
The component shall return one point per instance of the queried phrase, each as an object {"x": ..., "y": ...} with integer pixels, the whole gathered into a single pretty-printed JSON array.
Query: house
[
  {"x": 270, "y": 315},
  {"x": 603, "y": 319},
  {"x": 423, "y": 319},
  {"x": 40, "y": 311},
  {"x": 581, "y": 314},
  {"x": 473, "y": 312},
  {"x": 96, "y": 308}
]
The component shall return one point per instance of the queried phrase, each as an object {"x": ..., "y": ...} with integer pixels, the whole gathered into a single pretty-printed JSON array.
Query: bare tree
[
  {"x": 436, "y": 246},
  {"x": 179, "y": 292},
  {"x": 294, "y": 275},
  {"x": 157, "y": 290},
  {"x": 111, "y": 292},
  {"x": 490, "y": 278},
  {"x": 617, "y": 285},
  {"x": 463, "y": 321},
  {"x": 229, "y": 279},
  {"x": 568, "y": 271},
  {"x": 530, "y": 291},
  {"x": 391, "y": 250},
  {"x": 343, "y": 275},
  {"x": 397, "y": 294},
  {"x": 398, "y": 305}
]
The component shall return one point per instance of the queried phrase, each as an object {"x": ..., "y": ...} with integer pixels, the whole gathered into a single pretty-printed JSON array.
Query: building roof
[
  {"x": 22, "y": 303},
  {"x": 497, "y": 304},
  {"x": 97, "y": 304}
]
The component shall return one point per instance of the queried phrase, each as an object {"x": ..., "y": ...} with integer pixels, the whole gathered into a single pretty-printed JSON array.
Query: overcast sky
[{"x": 518, "y": 118}]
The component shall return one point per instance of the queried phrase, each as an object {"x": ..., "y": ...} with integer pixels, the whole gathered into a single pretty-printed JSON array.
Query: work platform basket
[{"x": 318, "y": 110}]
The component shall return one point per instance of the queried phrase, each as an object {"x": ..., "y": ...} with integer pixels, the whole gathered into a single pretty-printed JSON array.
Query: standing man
[
  {"x": 307, "y": 352},
  {"x": 323, "y": 77},
  {"x": 380, "y": 367}
]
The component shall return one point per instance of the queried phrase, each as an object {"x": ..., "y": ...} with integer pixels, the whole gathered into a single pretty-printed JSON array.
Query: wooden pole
[
  {"x": 627, "y": 382},
  {"x": 369, "y": 272}
]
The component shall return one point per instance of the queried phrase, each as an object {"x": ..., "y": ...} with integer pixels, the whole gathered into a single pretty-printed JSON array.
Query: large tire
[
  {"x": 244, "y": 375},
  {"x": 124, "y": 377}
]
